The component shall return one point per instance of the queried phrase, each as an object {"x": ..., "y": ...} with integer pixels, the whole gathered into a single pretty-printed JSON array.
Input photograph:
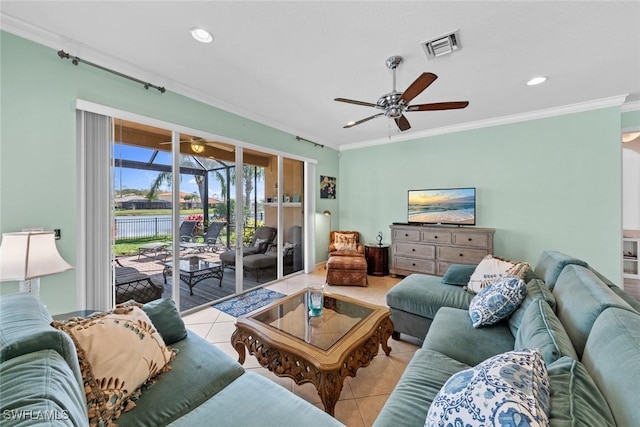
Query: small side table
[{"x": 377, "y": 259}]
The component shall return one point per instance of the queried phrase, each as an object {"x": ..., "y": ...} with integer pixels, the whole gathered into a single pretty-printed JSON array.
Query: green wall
[
  {"x": 551, "y": 183},
  {"x": 38, "y": 143},
  {"x": 548, "y": 183}
]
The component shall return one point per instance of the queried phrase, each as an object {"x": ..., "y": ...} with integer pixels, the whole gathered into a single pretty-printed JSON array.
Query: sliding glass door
[{"x": 196, "y": 219}]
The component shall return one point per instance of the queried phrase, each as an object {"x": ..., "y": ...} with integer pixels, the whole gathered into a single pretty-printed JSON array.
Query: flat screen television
[{"x": 456, "y": 206}]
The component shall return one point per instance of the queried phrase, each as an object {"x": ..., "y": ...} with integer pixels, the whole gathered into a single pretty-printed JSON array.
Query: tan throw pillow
[
  {"x": 493, "y": 268},
  {"x": 119, "y": 351},
  {"x": 344, "y": 242}
]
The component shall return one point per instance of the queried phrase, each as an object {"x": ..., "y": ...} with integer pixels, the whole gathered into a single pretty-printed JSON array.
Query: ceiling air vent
[{"x": 442, "y": 45}]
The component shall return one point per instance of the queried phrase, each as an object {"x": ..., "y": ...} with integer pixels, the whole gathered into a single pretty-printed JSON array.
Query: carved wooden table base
[{"x": 286, "y": 361}]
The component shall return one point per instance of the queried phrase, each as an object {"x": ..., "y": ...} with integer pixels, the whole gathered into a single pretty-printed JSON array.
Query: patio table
[
  {"x": 194, "y": 270},
  {"x": 153, "y": 247}
]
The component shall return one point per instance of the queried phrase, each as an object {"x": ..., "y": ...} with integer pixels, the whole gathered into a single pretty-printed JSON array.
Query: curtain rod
[
  {"x": 75, "y": 60},
  {"x": 299, "y": 138}
]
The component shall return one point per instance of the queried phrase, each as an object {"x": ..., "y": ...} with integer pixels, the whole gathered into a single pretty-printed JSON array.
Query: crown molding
[
  {"x": 515, "y": 118},
  {"x": 54, "y": 41},
  {"x": 630, "y": 106}
]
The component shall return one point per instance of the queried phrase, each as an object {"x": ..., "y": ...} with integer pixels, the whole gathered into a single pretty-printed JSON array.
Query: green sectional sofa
[
  {"x": 41, "y": 382},
  {"x": 587, "y": 333}
]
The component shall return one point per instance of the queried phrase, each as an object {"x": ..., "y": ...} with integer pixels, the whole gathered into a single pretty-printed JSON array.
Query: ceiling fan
[
  {"x": 395, "y": 104},
  {"x": 198, "y": 144}
]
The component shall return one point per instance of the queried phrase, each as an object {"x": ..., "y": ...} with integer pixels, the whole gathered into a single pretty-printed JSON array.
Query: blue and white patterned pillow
[
  {"x": 509, "y": 390},
  {"x": 497, "y": 301}
]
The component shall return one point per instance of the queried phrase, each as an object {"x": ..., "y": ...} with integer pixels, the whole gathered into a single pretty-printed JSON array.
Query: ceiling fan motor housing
[{"x": 392, "y": 104}]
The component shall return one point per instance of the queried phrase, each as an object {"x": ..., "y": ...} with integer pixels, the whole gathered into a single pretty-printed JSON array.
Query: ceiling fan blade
[
  {"x": 438, "y": 106},
  {"x": 218, "y": 145},
  {"x": 352, "y": 124},
  {"x": 403, "y": 123},
  {"x": 169, "y": 142},
  {"x": 423, "y": 81},
  {"x": 353, "y": 101}
]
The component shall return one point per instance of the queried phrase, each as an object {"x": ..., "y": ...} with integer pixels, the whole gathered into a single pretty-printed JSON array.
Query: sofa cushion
[
  {"x": 453, "y": 335},
  {"x": 581, "y": 296},
  {"x": 458, "y": 274},
  {"x": 492, "y": 269},
  {"x": 551, "y": 264},
  {"x": 25, "y": 327},
  {"x": 541, "y": 329},
  {"x": 508, "y": 389},
  {"x": 39, "y": 388},
  {"x": 252, "y": 400},
  {"x": 119, "y": 351},
  {"x": 199, "y": 371},
  {"x": 612, "y": 357},
  {"x": 575, "y": 399},
  {"x": 424, "y": 295},
  {"x": 424, "y": 376},
  {"x": 497, "y": 301},
  {"x": 536, "y": 290},
  {"x": 166, "y": 319}
]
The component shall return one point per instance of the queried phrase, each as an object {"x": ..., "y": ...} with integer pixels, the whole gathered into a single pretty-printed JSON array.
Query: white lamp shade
[{"x": 27, "y": 255}]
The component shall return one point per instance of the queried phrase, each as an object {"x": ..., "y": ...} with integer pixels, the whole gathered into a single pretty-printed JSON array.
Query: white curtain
[{"x": 94, "y": 259}]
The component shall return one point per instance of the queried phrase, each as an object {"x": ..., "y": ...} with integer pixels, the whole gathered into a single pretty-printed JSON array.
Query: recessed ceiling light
[
  {"x": 201, "y": 35},
  {"x": 536, "y": 81}
]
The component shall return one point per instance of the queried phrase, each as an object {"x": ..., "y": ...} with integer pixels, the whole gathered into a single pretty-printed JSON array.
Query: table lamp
[{"x": 26, "y": 256}]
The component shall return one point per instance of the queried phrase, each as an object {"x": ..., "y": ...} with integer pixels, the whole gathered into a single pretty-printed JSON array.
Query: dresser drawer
[
  {"x": 404, "y": 235},
  {"x": 461, "y": 255},
  {"x": 414, "y": 250},
  {"x": 470, "y": 239},
  {"x": 415, "y": 265},
  {"x": 436, "y": 237}
]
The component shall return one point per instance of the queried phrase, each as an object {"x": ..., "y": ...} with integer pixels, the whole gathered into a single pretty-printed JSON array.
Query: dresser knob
[
  {"x": 413, "y": 265},
  {"x": 461, "y": 254},
  {"x": 470, "y": 239},
  {"x": 406, "y": 235},
  {"x": 436, "y": 237},
  {"x": 413, "y": 250}
]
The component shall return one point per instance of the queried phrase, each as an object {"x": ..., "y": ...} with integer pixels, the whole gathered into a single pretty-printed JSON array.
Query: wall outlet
[{"x": 57, "y": 233}]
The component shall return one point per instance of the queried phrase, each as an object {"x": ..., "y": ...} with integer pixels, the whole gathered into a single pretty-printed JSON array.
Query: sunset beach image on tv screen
[{"x": 447, "y": 206}]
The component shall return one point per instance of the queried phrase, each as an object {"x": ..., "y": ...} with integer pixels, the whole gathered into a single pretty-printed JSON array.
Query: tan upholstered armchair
[
  {"x": 346, "y": 264},
  {"x": 345, "y": 243}
]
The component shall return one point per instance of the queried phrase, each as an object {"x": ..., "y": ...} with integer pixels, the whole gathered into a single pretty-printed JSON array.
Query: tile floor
[{"x": 362, "y": 397}]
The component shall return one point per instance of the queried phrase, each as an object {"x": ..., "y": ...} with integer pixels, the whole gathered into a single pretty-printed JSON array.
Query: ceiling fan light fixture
[
  {"x": 201, "y": 35},
  {"x": 197, "y": 148},
  {"x": 536, "y": 81}
]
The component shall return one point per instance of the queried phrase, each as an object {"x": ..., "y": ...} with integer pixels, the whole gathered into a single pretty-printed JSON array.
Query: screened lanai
[{"x": 143, "y": 197}]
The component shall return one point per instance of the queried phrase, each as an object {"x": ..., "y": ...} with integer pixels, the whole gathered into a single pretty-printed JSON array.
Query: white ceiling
[{"x": 282, "y": 62}]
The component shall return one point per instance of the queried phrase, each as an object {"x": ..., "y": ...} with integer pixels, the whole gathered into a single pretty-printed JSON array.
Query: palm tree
[
  {"x": 249, "y": 173},
  {"x": 166, "y": 178}
]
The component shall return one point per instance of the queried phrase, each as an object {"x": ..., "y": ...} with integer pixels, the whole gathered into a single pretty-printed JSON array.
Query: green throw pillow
[
  {"x": 458, "y": 274},
  {"x": 166, "y": 319},
  {"x": 575, "y": 399},
  {"x": 541, "y": 329}
]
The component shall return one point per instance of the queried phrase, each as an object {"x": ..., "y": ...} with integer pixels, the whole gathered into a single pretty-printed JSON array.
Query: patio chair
[
  {"x": 260, "y": 242},
  {"x": 133, "y": 285},
  {"x": 187, "y": 228},
  {"x": 212, "y": 236}
]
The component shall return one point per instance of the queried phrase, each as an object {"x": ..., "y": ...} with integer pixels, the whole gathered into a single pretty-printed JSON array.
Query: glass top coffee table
[
  {"x": 194, "y": 270},
  {"x": 321, "y": 350}
]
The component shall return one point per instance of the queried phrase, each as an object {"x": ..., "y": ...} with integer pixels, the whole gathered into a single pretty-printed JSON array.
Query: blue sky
[{"x": 142, "y": 179}]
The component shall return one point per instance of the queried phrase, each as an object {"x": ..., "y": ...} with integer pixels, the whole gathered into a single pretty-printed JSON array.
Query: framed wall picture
[{"x": 327, "y": 187}]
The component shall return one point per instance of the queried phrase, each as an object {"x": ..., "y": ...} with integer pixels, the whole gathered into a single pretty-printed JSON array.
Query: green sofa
[
  {"x": 41, "y": 383},
  {"x": 588, "y": 334}
]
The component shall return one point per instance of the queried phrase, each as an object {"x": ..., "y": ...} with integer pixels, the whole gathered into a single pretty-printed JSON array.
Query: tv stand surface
[{"x": 431, "y": 249}]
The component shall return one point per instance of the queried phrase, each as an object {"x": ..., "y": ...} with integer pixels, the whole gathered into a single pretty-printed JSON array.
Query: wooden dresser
[{"x": 431, "y": 249}]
